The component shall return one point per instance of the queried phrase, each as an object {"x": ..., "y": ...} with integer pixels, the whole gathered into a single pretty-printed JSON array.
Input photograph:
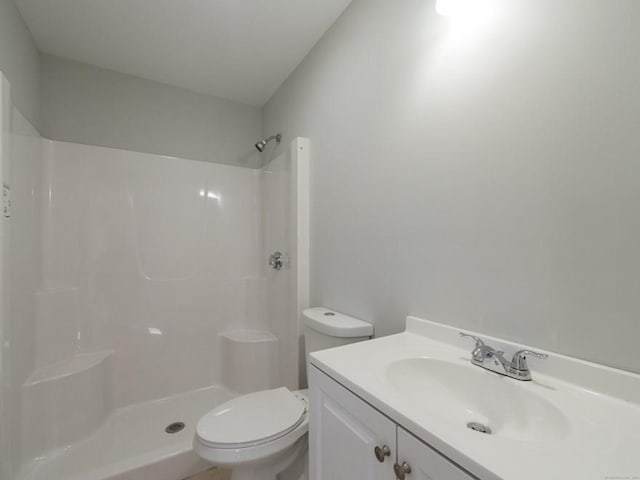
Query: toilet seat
[
  {"x": 253, "y": 428},
  {"x": 252, "y": 419}
]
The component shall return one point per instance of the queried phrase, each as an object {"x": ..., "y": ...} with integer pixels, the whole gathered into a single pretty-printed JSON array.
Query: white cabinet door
[
  {"x": 425, "y": 462},
  {"x": 344, "y": 432}
]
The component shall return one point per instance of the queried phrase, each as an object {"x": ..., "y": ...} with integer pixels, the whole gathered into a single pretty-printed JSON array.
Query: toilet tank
[{"x": 324, "y": 328}]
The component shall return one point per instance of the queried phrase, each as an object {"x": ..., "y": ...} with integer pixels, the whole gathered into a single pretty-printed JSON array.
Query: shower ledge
[
  {"x": 67, "y": 400},
  {"x": 249, "y": 336},
  {"x": 70, "y": 366},
  {"x": 249, "y": 360}
]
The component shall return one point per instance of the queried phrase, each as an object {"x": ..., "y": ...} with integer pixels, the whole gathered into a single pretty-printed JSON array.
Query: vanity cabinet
[
  {"x": 426, "y": 463},
  {"x": 349, "y": 439},
  {"x": 346, "y": 434}
]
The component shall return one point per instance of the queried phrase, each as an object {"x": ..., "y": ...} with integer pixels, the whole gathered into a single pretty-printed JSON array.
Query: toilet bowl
[
  {"x": 258, "y": 435},
  {"x": 263, "y": 435}
]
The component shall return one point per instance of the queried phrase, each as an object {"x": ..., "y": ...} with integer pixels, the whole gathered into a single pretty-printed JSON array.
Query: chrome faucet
[{"x": 493, "y": 360}]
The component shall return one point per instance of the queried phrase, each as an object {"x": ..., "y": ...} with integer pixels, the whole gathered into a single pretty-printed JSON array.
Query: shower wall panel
[
  {"x": 285, "y": 194},
  {"x": 22, "y": 175},
  {"x": 157, "y": 251}
]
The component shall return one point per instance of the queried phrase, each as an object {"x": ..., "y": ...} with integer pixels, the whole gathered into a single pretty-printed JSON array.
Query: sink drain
[
  {"x": 174, "y": 427},
  {"x": 478, "y": 427}
]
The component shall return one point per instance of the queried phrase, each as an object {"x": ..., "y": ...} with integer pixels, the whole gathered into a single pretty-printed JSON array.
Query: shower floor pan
[{"x": 133, "y": 445}]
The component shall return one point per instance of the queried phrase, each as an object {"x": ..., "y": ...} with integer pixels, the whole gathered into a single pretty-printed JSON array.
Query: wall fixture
[
  {"x": 461, "y": 8},
  {"x": 263, "y": 143},
  {"x": 468, "y": 21}
]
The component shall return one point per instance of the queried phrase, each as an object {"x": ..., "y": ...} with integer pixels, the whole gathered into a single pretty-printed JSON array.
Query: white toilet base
[
  {"x": 291, "y": 465},
  {"x": 251, "y": 474}
]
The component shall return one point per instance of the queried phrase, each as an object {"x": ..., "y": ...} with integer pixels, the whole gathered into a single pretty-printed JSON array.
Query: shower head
[{"x": 263, "y": 143}]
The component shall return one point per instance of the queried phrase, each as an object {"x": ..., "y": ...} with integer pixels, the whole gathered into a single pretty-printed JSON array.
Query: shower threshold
[{"x": 132, "y": 443}]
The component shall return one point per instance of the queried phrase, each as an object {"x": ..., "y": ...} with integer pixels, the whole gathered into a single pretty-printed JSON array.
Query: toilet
[{"x": 260, "y": 435}]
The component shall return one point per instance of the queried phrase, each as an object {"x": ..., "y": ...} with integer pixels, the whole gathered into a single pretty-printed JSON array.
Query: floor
[{"x": 213, "y": 474}]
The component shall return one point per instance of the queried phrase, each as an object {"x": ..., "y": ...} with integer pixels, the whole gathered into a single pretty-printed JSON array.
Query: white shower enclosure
[{"x": 137, "y": 293}]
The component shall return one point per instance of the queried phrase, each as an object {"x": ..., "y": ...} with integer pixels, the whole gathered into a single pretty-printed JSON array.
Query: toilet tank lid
[{"x": 335, "y": 324}]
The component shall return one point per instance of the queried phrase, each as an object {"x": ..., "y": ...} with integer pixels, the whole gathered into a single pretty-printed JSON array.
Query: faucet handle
[
  {"x": 478, "y": 340},
  {"x": 519, "y": 361}
]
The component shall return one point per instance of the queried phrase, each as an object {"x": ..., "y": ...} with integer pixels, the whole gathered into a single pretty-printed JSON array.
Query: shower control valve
[{"x": 277, "y": 260}]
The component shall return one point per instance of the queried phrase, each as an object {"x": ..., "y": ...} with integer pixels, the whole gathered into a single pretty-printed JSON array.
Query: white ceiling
[{"x": 236, "y": 49}]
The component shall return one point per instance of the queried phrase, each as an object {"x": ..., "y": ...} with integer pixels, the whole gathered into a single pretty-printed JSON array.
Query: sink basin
[{"x": 461, "y": 394}]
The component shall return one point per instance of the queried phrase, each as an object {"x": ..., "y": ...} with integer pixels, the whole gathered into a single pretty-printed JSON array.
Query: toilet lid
[{"x": 251, "y": 419}]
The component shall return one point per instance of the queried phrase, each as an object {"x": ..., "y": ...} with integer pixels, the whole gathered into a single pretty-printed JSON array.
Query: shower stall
[{"x": 136, "y": 296}]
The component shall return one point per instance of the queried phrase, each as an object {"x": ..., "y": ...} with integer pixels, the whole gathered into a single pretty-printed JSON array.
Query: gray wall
[
  {"x": 19, "y": 61},
  {"x": 94, "y": 106},
  {"x": 486, "y": 176}
]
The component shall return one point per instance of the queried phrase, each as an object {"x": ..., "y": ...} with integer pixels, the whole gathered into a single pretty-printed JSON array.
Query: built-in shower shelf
[
  {"x": 70, "y": 366},
  {"x": 68, "y": 399},
  {"x": 249, "y": 360},
  {"x": 249, "y": 336}
]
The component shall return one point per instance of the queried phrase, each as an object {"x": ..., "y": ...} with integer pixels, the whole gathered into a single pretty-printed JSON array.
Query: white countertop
[{"x": 595, "y": 437}]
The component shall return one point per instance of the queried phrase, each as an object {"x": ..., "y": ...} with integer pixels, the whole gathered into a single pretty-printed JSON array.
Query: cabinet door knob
[
  {"x": 382, "y": 452},
  {"x": 402, "y": 471}
]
